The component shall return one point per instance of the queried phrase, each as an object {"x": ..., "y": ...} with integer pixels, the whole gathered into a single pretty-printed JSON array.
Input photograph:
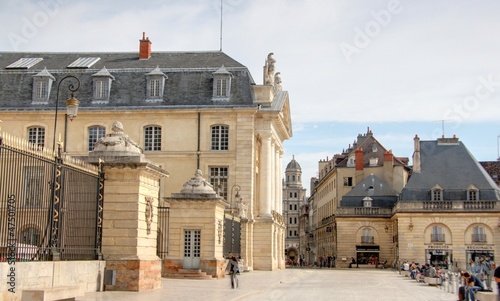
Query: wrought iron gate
[
  {"x": 53, "y": 204},
  {"x": 232, "y": 235}
]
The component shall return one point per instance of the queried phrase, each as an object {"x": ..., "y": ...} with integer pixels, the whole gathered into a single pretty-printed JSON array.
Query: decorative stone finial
[
  {"x": 197, "y": 185},
  {"x": 117, "y": 147}
]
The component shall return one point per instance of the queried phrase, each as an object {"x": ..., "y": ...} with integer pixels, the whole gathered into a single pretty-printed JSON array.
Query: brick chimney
[
  {"x": 388, "y": 157},
  {"x": 358, "y": 156},
  {"x": 144, "y": 47},
  {"x": 388, "y": 167}
]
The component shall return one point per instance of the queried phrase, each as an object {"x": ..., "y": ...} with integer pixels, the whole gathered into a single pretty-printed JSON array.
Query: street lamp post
[
  {"x": 56, "y": 201},
  {"x": 71, "y": 107}
]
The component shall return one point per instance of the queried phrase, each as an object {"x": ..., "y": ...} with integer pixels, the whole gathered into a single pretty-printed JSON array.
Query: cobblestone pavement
[{"x": 291, "y": 284}]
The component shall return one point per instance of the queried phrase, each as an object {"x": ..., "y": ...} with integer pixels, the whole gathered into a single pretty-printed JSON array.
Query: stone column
[{"x": 129, "y": 212}]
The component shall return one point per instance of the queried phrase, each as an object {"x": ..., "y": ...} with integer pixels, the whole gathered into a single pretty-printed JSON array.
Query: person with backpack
[{"x": 234, "y": 270}]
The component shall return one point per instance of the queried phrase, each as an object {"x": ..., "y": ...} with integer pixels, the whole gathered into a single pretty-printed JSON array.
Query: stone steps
[{"x": 188, "y": 274}]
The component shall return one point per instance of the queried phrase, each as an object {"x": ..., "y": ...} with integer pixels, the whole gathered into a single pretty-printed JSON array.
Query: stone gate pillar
[{"x": 129, "y": 212}]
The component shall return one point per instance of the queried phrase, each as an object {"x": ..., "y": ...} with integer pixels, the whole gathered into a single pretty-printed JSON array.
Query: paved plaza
[{"x": 291, "y": 284}]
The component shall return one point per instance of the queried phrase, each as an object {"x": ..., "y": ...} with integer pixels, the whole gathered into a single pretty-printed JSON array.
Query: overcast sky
[{"x": 398, "y": 67}]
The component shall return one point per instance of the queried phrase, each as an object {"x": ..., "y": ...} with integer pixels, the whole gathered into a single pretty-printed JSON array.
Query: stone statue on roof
[
  {"x": 277, "y": 81},
  {"x": 269, "y": 69}
]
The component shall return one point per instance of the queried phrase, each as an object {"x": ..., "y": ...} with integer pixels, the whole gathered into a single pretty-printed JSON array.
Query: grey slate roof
[
  {"x": 381, "y": 193},
  {"x": 454, "y": 169},
  {"x": 189, "y": 79}
]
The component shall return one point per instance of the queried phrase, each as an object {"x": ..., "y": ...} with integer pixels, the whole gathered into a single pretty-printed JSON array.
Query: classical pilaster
[
  {"x": 266, "y": 177},
  {"x": 277, "y": 180}
]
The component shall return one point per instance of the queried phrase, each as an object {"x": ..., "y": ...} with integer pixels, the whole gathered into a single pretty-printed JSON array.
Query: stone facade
[
  {"x": 235, "y": 136},
  {"x": 445, "y": 212}
]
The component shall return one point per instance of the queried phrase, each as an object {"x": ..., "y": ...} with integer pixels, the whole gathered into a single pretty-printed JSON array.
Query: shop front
[
  {"x": 439, "y": 255},
  {"x": 476, "y": 252},
  {"x": 367, "y": 254}
]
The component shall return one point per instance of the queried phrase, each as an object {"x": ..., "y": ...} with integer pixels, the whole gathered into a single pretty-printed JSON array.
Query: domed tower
[
  {"x": 293, "y": 199},
  {"x": 293, "y": 174}
]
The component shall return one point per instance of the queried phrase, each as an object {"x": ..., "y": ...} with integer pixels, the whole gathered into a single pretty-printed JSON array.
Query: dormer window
[
  {"x": 351, "y": 161},
  {"x": 472, "y": 193},
  {"x": 437, "y": 193},
  {"x": 155, "y": 81},
  {"x": 367, "y": 202},
  {"x": 222, "y": 84},
  {"x": 101, "y": 82},
  {"x": 42, "y": 83}
]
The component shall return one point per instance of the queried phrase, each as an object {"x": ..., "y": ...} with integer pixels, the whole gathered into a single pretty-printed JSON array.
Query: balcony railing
[
  {"x": 455, "y": 206},
  {"x": 479, "y": 238},
  {"x": 356, "y": 211},
  {"x": 437, "y": 238}
]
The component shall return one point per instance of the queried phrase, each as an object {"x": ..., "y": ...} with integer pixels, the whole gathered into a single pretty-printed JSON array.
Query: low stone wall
[
  {"x": 213, "y": 267},
  {"x": 87, "y": 275}
]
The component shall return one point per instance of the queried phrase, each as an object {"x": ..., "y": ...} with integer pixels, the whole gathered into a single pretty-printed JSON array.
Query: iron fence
[
  {"x": 232, "y": 235},
  {"x": 51, "y": 204},
  {"x": 163, "y": 231}
]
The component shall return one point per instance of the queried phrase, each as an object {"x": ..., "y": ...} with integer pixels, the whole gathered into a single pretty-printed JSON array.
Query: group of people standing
[{"x": 326, "y": 262}]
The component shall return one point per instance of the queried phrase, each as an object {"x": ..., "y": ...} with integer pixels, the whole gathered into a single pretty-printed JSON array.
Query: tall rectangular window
[
  {"x": 101, "y": 89},
  {"x": 218, "y": 178},
  {"x": 95, "y": 133},
  {"x": 36, "y": 136},
  {"x": 33, "y": 186},
  {"x": 154, "y": 88},
  {"x": 221, "y": 87},
  {"x": 220, "y": 137},
  {"x": 478, "y": 234},
  {"x": 41, "y": 89},
  {"x": 152, "y": 138},
  {"x": 437, "y": 234}
]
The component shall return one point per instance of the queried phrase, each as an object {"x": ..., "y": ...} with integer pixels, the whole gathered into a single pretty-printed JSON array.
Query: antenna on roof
[
  {"x": 442, "y": 124},
  {"x": 220, "y": 33}
]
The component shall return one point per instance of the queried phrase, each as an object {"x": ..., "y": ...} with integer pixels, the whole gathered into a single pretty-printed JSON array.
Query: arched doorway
[{"x": 292, "y": 257}]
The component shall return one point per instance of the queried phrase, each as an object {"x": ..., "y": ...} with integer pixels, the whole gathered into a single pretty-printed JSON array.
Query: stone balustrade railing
[{"x": 446, "y": 206}]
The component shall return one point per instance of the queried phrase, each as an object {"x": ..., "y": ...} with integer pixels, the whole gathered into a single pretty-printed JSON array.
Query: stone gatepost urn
[
  {"x": 196, "y": 231},
  {"x": 129, "y": 212}
]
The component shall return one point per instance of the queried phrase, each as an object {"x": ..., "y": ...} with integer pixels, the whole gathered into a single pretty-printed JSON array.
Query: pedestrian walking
[{"x": 234, "y": 271}]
